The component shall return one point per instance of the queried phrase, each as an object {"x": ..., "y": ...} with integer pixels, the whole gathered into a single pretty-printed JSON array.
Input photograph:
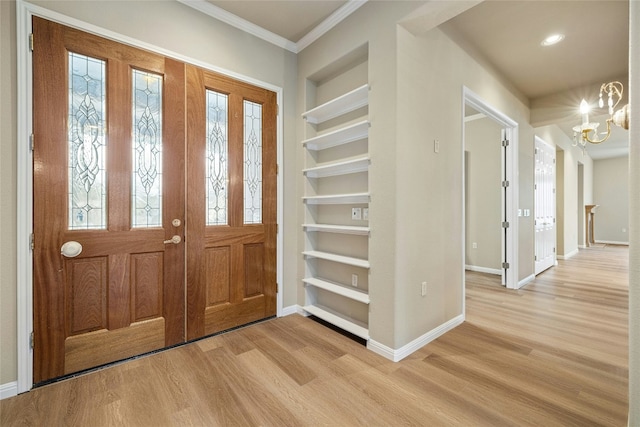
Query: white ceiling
[
  {"x": 505, "y": 34},
  {"x": 289, "y": 19},
  {"x": 509, "y": 33}
]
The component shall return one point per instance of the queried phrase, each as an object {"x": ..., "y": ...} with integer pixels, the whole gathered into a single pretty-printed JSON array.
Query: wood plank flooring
[{"x": 551, "y": 354}]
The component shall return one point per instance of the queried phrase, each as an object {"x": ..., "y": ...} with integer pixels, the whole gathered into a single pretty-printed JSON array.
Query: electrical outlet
[
  {"x": 474, "y": 245},
  {"x": 356, "y": 213},
  {"x": 354, "y": 280},
  {"x": 424, "y": 288},
  {"x": 436, "y": 146}
]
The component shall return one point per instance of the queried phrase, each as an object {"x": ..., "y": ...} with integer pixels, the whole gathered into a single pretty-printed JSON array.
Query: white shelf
[
  {"x": 340, "y": 229},
  {"x": 350, "y": 130},
  {"x": 341, "y": 105},
  {"x": 351, "y": 293},
  {"x": 356, "y": 262},
  {"x": 343, "y": 167},
  {"x": 337, "y": 199},
  {"x": 350, "y": 325},
  {"x": 345, "y": 135}
]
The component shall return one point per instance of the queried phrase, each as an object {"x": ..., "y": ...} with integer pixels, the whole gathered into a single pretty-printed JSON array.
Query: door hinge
[
  {"x": 554, "y": 250},
  {"x": 535, "y": 151},
  {"x": 535, "y": 186},
  {"x": 505, "y": 265},
  {"x": 32, "y": 244},
  {"x": 31, "y": 42},
  {"x": 31, "y": 340},
  {"x": 505, "y": 142},
  {"x": 505, "y": 183},
  {"x": 277, "y": 169},
  {"x": 535, "y": 257},
  {"x": 32, "y": 144},
  {"x": 505, "y": 224},
  {"x": 277, "y": 287}
]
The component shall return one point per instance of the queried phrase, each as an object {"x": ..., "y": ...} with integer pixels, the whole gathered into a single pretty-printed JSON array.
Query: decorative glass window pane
[
  {"x": 216, "y": 169},
  {"x": 86, "y": 144},
  {"x": 146, "y": 192},
  {"x": 252, "y": 163}
]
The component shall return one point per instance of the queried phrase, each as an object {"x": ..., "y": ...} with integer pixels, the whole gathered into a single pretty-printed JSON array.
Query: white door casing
[{"x": 510, "y": 170}]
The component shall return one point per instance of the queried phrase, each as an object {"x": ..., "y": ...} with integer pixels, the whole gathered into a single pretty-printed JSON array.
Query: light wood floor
[{"x": 551, "y": 354}]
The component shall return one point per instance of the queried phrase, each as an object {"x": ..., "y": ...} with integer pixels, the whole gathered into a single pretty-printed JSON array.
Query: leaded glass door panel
[
  {"x": 231, "y": 203},
  {"x": 109, "y": 175}
]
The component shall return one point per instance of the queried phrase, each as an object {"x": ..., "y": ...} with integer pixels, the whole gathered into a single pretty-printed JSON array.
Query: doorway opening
[{"x": 507, "y": 187}]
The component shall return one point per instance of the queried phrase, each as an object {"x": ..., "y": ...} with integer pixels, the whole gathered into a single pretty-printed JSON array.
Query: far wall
[
  {"x": 483, "y": 195},
  {"x": 611, "y": 194}
]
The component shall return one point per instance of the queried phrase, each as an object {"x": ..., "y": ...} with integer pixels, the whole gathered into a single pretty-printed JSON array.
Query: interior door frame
[
  {"x": 24, "y": 180},
  {"x": 510, "y": 126}
]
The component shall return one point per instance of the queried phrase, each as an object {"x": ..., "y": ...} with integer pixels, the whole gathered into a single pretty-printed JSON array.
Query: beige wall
[
  {"x": 483, "y": 195},
  {"x": 8, "y": 336},
  {"x": 634, "y": 220},
  {"x": 182, "y": 30},
  {"x": 611, "y": 193}
]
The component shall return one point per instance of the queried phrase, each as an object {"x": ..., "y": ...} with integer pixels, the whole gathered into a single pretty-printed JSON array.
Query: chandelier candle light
[{"x": 613, "y": 91}]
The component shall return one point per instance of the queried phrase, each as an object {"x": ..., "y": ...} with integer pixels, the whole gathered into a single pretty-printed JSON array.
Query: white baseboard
[
  {"x": 406, "y": 350},
  {"x": 398, "y": 354},
  {"x": 569, "y": 255},
  {"x": 300, "y": 310},
  {"x": 496, "y": 271},
  {"x": 292, "y": 309},
  {"x": 612, "y": 242},
  {"x": 526, "y": 280},
  {"x": 8, "y": 390}
]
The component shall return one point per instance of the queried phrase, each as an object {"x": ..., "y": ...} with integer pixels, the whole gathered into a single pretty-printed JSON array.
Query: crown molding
[
  {"x": 242, "y": 24},
  {"x": 334, "y": 19}
]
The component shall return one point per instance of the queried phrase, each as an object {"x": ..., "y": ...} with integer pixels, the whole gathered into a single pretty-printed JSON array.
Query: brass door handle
[{"x": 175, "y": 240}]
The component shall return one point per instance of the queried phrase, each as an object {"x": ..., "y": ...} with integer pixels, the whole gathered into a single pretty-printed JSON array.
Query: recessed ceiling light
[{"x": 552, "y": 39}]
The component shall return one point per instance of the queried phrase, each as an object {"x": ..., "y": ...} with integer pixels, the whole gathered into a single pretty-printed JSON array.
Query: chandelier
[{"x": 588, "y": 131}]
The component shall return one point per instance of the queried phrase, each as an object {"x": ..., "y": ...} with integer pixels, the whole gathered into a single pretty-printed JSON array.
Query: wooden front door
[
  {"x": 110, "y": 138},
  {"x": 231, "y": 200}
]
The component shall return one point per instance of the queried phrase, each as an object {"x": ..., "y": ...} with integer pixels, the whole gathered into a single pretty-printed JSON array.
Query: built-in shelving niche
[{"x": 336, "y": 177}]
